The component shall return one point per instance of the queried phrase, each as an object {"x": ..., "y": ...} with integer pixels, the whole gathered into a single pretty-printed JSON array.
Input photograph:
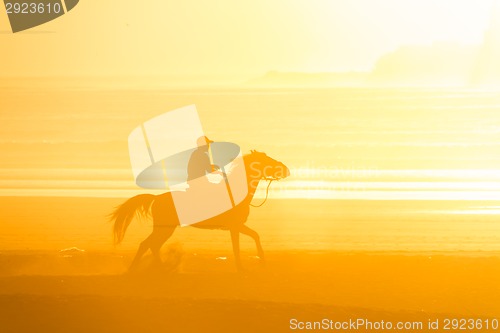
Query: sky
[{"x": 227, "y": 38}]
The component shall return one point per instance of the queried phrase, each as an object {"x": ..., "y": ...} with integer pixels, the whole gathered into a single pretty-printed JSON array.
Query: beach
[
  {"x": 60, "y": 269},
  {"x": 206, "y": 294}
]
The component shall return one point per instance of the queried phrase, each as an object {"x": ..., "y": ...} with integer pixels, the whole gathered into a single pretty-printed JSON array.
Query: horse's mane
[
  {"x": 253, "y": 153},
  {"x": 247, "y": 156}
]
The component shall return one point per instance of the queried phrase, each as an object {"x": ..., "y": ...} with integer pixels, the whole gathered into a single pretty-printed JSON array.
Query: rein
[{"x": 267, "y": 192}]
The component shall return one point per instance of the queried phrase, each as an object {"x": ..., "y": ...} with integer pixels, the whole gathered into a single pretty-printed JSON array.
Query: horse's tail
[{"x": 125, "y": 213}]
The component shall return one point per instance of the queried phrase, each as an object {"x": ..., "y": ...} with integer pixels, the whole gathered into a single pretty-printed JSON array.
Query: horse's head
[{"x": 261, "y": 166}]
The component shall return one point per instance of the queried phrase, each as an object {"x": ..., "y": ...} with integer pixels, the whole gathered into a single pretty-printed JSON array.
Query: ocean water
[
  {"x": 339, "y": 143},
  {"x": 424, "y": 164}
]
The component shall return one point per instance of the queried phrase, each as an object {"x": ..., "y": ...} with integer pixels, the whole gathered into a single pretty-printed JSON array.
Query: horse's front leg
[
  {"x": 255, "y": 236},
  {"x": 235, "y": 239}
]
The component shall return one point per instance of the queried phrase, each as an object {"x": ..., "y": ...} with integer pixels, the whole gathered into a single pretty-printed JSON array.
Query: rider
[{"x": 199, "y": 163}]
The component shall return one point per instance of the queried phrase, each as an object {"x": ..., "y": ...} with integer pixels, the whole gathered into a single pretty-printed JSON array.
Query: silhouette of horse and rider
[{"x": 162, "y": 208}]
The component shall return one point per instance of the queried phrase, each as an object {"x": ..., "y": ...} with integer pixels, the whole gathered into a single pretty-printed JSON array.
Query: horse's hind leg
[
  {"x": 252, "y": 233},
  {"x": 154, "y": 242},
  {"x": 143, "y": 247},
  {"x": 160, "y": 236}
]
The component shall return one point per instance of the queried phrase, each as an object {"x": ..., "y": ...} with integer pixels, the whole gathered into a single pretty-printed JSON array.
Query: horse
[{"x": 161, "y": 208}]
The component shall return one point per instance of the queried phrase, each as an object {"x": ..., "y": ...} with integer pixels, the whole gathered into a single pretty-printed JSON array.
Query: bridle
[{"x": 270, "y": 179}]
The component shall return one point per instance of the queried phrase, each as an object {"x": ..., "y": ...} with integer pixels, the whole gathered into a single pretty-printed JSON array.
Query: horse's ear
[{"x": 252, "y": 151}]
